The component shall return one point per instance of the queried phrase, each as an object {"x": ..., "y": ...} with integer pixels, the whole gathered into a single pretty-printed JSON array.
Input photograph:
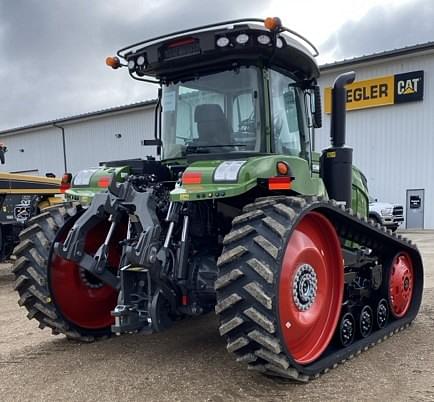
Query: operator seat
[{"x": 212, "y": 126}]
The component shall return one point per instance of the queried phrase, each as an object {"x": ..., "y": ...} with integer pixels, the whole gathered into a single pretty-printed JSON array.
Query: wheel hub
[
  {"x": 366, "y": 321},
  {"x": 304, "y": 287},
  {"x": 347, "y": 329},
  {"x": 382, "y": 313}
]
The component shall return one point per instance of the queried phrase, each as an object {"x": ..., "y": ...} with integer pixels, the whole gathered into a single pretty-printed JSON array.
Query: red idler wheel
[
  {"x": 401, "y": 284},
  {"x": 82, "y": 298},
  {"x": 311, "y": 288}
]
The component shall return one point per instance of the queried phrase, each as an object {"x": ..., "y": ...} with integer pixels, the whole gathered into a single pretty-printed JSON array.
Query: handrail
[{"x": 121, "y": 52}]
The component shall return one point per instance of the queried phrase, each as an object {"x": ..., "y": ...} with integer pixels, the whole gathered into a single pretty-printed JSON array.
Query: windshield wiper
[{"x": 203, "y": 148}]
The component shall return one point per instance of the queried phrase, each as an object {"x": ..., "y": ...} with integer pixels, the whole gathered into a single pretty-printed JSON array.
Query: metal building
[
  {"x": 390, "y": 126},
  {"x": 73, "y": 143}
]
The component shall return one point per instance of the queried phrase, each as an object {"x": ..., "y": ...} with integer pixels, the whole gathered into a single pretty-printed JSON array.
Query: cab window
[{"x": 286, "y": 115}]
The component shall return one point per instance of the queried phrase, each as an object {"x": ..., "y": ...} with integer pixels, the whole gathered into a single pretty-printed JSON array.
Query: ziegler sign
[{"x": 399, "y": 88}]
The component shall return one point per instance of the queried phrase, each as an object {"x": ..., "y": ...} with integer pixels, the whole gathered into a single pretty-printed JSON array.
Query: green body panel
[
  {"x": 306, "y": 182},
  {"x": 85, "y": 193},
  {"x": 360, "y": 200},
  {"x": 254, "y": 168}
]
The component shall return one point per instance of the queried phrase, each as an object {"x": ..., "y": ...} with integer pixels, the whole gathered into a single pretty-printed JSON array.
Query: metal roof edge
[
  {"x": 78, "y": 117},
  {"x": 379, "y": 55}
]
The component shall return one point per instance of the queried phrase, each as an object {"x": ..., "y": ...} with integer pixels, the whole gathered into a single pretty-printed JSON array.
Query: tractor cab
[
  {"x": 229, "y": 90},
  {"x": 225, "y": 113}
]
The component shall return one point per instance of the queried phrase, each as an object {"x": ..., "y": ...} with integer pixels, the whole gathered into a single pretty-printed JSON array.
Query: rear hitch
[
  {"x": 140, "y": 307},
  {"x": 124, "y": 203},
  {"x": 132, "y": 313}
]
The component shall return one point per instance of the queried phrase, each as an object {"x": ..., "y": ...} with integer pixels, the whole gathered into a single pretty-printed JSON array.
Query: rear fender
[{"x": 209, "y": 180}]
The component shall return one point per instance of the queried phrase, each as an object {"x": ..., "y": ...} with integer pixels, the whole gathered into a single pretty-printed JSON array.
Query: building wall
[
  {"x": 393, "y": 145},
  {"x": 92, "y": 141},
  {"x": 37, "y": 151},
  {"x": 87, "y": 142}
]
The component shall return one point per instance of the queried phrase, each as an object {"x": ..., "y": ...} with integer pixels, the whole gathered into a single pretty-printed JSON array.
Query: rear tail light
[
  {"x": 181, "y": 42},
  {"x": 192, "y": 178},
  {"x": 65, "y": 184},
  {"x": 104, "y": 181},
  {"x": 280, "y": 183}
]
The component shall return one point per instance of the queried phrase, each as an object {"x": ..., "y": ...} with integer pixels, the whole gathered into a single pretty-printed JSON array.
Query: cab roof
[{"x": 214, "y": 47}]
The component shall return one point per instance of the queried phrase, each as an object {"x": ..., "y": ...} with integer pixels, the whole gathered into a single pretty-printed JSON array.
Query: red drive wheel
[
  {"x": 82, "y": 298},
  {"x": 310, "y": 288},
  {"x": 401, "y": 284}
]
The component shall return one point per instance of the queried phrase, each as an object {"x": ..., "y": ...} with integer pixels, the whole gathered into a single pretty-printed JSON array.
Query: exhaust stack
[{"x": 337, "y": 161}]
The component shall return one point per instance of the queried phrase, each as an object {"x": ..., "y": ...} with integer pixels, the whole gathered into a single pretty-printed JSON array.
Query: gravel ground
[{"x": 190, "y": 363}]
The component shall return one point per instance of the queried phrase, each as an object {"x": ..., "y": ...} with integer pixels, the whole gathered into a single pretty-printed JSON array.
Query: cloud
[
  {"x": 382, "y": 28},
  {"x": 53, "y": 52}
]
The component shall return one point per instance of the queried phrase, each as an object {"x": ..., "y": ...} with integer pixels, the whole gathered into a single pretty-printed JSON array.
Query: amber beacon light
[
  {"x": 113, "y": 62},
  {"x": 272, "y": 23}
]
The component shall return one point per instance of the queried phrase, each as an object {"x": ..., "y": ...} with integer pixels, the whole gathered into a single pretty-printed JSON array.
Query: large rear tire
[
  {"x": 280, "y": 286},
  {"x": 36, "y": 271}
]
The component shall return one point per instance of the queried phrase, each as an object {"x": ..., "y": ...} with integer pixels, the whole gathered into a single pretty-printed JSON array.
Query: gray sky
[{"x": 53, "y": 51}]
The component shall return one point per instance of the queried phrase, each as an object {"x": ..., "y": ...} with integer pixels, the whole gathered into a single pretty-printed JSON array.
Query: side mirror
[{"x": 316, "y": 107}]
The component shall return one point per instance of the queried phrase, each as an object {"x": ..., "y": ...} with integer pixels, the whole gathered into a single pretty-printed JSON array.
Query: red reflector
[
  {"x": 181, "y": 42},
  {"x": 184, "y": 300},
  {"x": 192, "y": 178},
  {"x": 104, "y": 181},
  {"x": 280, "y": 183},
  {"x": 65, "y": 184},
  {"x": 64, "y": 187}
]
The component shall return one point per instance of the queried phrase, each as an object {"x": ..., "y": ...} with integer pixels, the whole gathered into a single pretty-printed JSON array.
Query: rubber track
[
  {"x": 30, "y": 269},
  {"x": 249, "y": 275}
]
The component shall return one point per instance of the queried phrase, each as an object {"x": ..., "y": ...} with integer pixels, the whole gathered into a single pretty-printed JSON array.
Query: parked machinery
[{"x": 21, "y": 197}]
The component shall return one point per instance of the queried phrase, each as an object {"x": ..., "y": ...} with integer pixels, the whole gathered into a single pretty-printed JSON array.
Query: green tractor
[{"x": 239, "y": 216}]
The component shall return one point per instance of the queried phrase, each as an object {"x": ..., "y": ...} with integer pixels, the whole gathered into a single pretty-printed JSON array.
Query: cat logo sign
[
  {"x": 381, "y": 91},
  {"x": 409, "y": 87}
]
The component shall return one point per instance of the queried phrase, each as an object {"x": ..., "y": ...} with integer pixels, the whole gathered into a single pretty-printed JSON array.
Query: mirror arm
[
  {"x": 317, "y": 115},
  {"x": 157, "y": 126}
]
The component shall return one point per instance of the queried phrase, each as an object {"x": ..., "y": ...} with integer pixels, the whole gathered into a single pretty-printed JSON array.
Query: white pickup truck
[{"x": 388, "y": 215}]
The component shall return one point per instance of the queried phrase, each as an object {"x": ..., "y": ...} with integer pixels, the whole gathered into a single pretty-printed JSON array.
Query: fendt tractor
[
  {"x": 238, "y": 215},
  {"x": 21, "y": 197}
]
